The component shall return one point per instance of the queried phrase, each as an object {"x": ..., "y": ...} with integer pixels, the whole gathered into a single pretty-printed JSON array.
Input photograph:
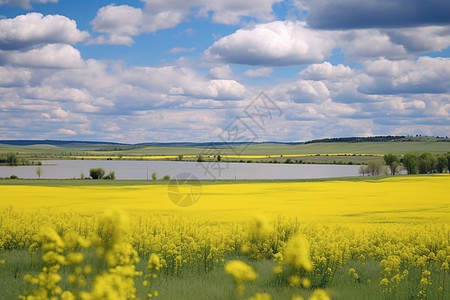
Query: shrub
[
  {"x": 110, "y": 176},
  {"x": 166, "y": 177},
  {"x": 97, "y": 173}
]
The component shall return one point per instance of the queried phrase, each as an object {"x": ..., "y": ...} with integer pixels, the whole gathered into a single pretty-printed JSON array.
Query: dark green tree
[
  {"x": 410, "y": 162},
  {"x": 442, "y": 164},
  {"x": 12, "y": 159},
  {"x": 427, "y": 163},
  {"x": 392, "y": 161}
]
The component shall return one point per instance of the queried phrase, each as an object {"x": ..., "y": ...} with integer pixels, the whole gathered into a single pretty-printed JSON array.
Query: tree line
[
  {"x": 425, "y": 163},
  {"x": 13, "y": 159}
]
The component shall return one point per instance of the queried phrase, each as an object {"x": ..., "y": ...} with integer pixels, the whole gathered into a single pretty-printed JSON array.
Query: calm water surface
[{"x": 66, "y": 169}]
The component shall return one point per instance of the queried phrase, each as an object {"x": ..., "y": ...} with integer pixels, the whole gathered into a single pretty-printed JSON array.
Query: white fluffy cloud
[
  {"x": 272, "y": 44},
  {"x": 288, "y": 43},
  {"x": 221, "y": 72},
  {"x": 326, "y": 71},
  {"x": 34, "y": 29},
  {"x": 10, "y": 77},
  {"x": 223, "y": 11},
  {"x": 48, "y": 56},
  {"x": 35, "y": 40},
  {"x": 426, "y": 75},
  {"x": 260, "y": 72},
  {"x": 121, "y": 23}
]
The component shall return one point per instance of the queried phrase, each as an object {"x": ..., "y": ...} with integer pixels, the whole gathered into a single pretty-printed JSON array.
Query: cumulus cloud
[
  {"x": 260, "y": 72},
  {"x": 121, "y": 23},
  {"x": 222, "y": 72},
  {"x": 10, "y": 77},
  {"x": 272, "y": 44},
  {"x": 24, "y": 3},
  {"x": 349, "y": 14},
  {"x": 288, "y": 43},
  {"x": 34, "y": 29},
  {"x": 326, "y": 71},
  {"x": 223, "y": 11},
  {"x": 425, "y": 75},
  {"x": 48, "y": 56},
  {"x": 64, "y": 131}
]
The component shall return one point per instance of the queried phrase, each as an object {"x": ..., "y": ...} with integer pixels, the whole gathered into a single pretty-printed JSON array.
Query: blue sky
[{"x": 154, "y": 70}]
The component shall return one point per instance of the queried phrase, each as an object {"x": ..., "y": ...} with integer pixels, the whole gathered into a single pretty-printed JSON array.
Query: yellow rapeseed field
[
  {"x": 394, "y": 199},
  {"x": 310, "y": 230}
]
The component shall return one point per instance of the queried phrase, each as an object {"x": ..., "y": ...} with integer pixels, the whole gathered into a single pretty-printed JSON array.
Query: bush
[
  {"x": 13, "y": 177},
  {"x": 166, "y": 177},
  {"x": 110, "y": 176},
  {"x": 97, "y": 173}
]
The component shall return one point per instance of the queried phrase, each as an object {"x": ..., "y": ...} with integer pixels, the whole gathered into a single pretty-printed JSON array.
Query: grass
[
  {"x": 216, "y": 284},
  {"x": 89, "y": 182}
]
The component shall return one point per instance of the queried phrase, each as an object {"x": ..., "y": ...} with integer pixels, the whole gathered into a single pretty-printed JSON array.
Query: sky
[{"x": 196, "y": 71}]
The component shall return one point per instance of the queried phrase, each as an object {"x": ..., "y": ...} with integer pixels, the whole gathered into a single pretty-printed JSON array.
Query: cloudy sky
[{"x": 175, "y": 70}]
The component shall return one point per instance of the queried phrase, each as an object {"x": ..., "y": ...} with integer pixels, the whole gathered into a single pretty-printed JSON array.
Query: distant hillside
[
  {"x": 154, "y": 144},
  {"x": 383, "y": 138},
  {"x": 102, "y": 145}
]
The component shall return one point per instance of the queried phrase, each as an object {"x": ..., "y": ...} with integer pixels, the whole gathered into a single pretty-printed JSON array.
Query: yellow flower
[
  {"x": 294, "y": 280},
  {"x": 240, "y": 271},
  {"x": 306, "y": 283},
  {"x": 260, "y": 296},
  {"x": 319, "y": 295},
  {"x": 277, "y": 270},
  {"x": 297, "y": 252}
]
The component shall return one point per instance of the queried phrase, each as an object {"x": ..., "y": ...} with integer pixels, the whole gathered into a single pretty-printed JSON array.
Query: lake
[{"x": 142, "y": 170}]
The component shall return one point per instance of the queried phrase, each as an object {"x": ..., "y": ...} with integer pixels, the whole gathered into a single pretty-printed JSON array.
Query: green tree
[
  {"x": 82, "y": 176},
  {"x": 442, "y": 164},
  {"x": 410, "y": 162},
  {"x": 392, "y": 161},
  {"x": 200, "y": 158},
  {"x": 180, "y": 157},
  {"x": 12, "y": 159},
  {"x": 448, "y": 161},
  {"x": 154, "y": 176},
  {"x": 219, "y": 158},
  {"x": 97, "y": 173},
  {"x": 375, "y": 168},
  {"x": 39, "y": 172},
  {"x": 166, "y": 177},
  {"x": 427, "y": 163}
]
